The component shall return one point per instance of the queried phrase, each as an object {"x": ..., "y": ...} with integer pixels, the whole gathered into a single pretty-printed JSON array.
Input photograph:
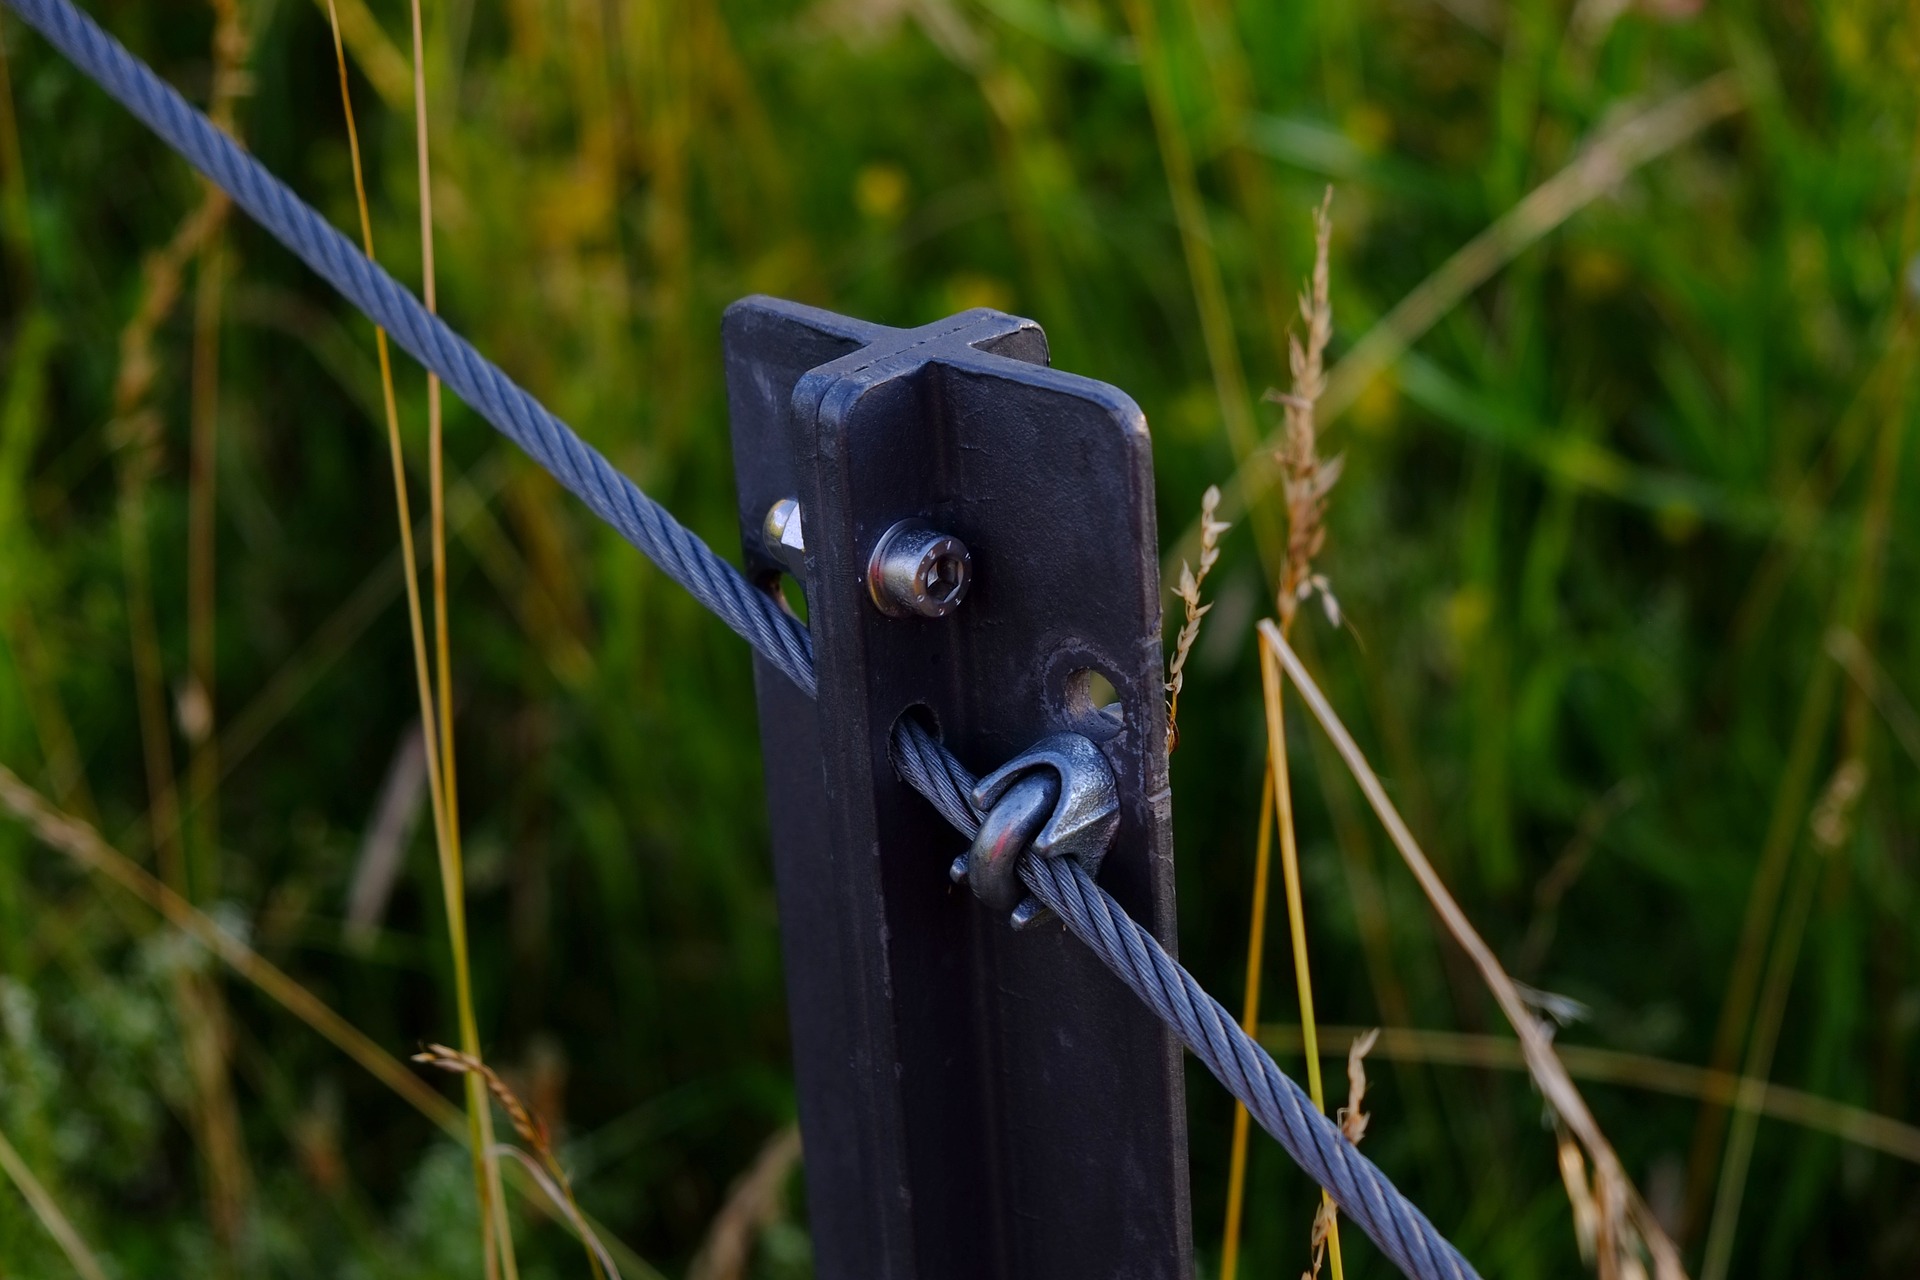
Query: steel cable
[
  {"x": 1134, "y": 955},
  {"x": 576, "y": 464}
]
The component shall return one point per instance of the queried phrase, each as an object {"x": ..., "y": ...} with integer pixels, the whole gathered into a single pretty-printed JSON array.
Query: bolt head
[{"x": 916, "y": 571}]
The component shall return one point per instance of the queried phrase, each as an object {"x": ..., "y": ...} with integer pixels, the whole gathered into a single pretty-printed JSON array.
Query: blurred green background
[{"x": 1625, "y": 544}]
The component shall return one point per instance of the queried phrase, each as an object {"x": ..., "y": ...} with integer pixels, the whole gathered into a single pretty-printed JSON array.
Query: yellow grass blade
[
  {"x": 48, "y": 1211},
  {"x": 1296, "y": 910},
  {"x": 1857, "y": 1125},
  {"x": 1249, "y": 1022},
  {"x": 384, "y": 66},
  {"x": 479, "y": 1116},
  {"x": 16, "y": 223},
  {"x": 452, "y": 874}
]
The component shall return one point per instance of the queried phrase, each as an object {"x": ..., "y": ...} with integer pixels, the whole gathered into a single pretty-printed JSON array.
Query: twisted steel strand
[{"x": 389, "y": 304}]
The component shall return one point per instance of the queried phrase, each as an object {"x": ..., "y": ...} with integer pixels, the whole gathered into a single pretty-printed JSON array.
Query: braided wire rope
[
  {"x": 1248, "y": 1071},
  {"x": 1316, "y": 1144},
  {"x": 389, "y": 304}
]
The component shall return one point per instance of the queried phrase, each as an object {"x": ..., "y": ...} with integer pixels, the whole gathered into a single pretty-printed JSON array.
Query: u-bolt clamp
[{"x": 1057, "y": 799}]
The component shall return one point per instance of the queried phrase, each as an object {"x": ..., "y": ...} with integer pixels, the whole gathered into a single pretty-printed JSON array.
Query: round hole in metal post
[
  {"x": 789, "y": 591},
  {"x": 1093, "y": 705}
]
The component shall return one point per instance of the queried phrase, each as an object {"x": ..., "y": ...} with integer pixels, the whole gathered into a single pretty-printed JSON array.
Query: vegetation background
[{"x": 1625, "y": 545}]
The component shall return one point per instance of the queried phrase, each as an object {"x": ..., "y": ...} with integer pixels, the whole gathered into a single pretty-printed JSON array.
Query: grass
[
  {"x": 436, "y": 718},
  {"x": 62, "y": 832},
  {"x": 1629, "y": 1070},
  {"x": 1621, "y": 374},
  {"x": 1308, "y": 481},
  {"x": 1250, "y": 1023},
  {"x": 1296, "y": 921},
  {"x": 45, "y": 1208},
  {"x": 1630, "y": 1234}
]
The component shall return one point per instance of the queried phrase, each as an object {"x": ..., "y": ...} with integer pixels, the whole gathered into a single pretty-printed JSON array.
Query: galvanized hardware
[
  {"x": 916, "y": 569},
  {"x": 1058, "y": 798},
  {"x": 992, "y": 867},
  {"x": 975, "y": 1101},
  {"x": 1088, "y": 813},
  {"x": 783, "y": 537}
]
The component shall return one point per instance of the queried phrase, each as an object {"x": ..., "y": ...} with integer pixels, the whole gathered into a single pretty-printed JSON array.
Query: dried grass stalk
[
  {"x": 1601, "y": 165},
  {"x": 560, "y": 1196},
  {"x": 1573, "y": 1172},
  {"x": 753, "y": 1205},
  {"x": 1627, "y": 1228},
  {"x": 80, "y": 842},
  {"x": 1870, "y": 1130},
  {"x": 533, "y": 1131},
  {"x": 1831, "y": 822},
  {"x": 48, "y": 1211},
  {"x": 1189, "y": 593}
]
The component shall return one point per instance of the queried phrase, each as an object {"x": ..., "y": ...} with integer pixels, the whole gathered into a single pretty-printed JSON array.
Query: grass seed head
[
  {"x": 532, "y": 1129},
  {"x": 1323, "y": 1220},
  {"x": 1211, "y": 529},
  {"x": 1306, "y": 478},
  {"x": 1832, "y": 819},
  {"x": 1353, "y": 1119}
]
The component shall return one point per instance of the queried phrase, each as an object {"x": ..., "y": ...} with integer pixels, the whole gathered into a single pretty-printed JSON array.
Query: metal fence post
[{"x": 974, "y": 1101}]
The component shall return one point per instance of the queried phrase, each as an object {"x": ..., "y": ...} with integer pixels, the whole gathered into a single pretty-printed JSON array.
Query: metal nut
[
  {"x": 917, "y": 570},
  {"x": 784, "y": 539}
]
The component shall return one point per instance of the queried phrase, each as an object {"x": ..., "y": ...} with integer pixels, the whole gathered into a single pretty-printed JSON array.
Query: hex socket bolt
[{"x": 918, "y": 571}]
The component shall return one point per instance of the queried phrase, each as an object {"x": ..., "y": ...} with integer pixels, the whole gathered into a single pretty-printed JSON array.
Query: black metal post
[{"x": 975, "y": 1102}]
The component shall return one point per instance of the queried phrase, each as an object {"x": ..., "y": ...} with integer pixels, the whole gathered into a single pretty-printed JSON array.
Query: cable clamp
[{"x": 1056, "y": 799}]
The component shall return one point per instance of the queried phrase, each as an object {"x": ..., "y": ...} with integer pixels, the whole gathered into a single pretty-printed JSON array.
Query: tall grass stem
[
  {"x": 48, "y": 1210},
  {"x": 1250, "y": 1023},
  {"x": 479, "y": 1117},
  {"x": 452, "y": 872},
  {"x": 1271, "y": 689}
]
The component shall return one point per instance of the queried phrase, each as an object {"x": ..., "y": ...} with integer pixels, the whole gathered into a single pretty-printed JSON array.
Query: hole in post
[
  {"x": 923, "y": 715},
  {"x": 788, "y": 591},
  {"x": 1093, "y": 704}
]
